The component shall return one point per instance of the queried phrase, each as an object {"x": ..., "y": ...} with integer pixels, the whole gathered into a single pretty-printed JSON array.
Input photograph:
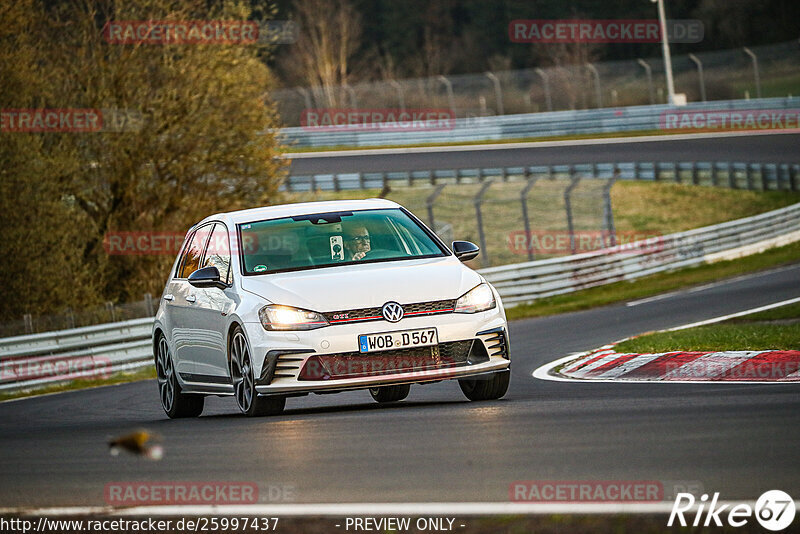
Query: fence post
[
  {"x": 400, "y": 96},
  {"x": 111, "y": 311},
  {"x": 597, "y": 89},
  {"x": 525, "y": 219},
  {"x": 546, "y": 79},
  {"x": 70, "y": 318},
  {"x": 450, "y": 99},
  {"x": 148, "y": 304},
  {"x": 429, "y": 204},
  {"x": 479, "y": 219},
  {"x": 755, "y": 70},
  {"x": 649, "y": 72},
  {"x": 28, "y": 319},
  {"x": 498, "y": 92},
  {"x": 608, "y": 214},
  {"x": 700, "y": 77},
  {"x": 568, "y": 207}
]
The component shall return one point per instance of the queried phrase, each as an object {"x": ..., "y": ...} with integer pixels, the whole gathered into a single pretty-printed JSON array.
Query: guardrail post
[
  {"x": 793, "y": 181},
  {"x": 498, "y": 92},
  {"x": 608, "y": 214},
  {"x": 656, "y": 172},
  {"x": 361, "y": 180},
  {"x": 336, "y": 183},
  {"x": 649, "y": 71},
  {"x": 568, "y": 207},
  {"x": 754, "y": 58},
  {"x": 700, "y": 77},
  {"x": 148, "y": 304},
  {"x": 352, "y": 94},
  {"x": 748, "y": 171},
  {"x": 762, "y": 169},
  {"x": 28, "y": 319},
  {"x": 731, "y": 176},
  {"x": 695, "y": 178},
  {"x": 313, "y": 183},
  {"x": 429, "y": 204},
  {"x": 400, "y": 97},
  {"x": 546, "y": 80},
  {"x": 525, "y": 219},
  {"x": 714, "y": 174},
  {"x": 479, "y": 219}
]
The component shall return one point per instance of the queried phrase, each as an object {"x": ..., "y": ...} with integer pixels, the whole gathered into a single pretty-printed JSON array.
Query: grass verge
[
  {"x": 657, "y": 283},
  {"x": 145, "y": 373},
  {"x": 777, "y": 329}
]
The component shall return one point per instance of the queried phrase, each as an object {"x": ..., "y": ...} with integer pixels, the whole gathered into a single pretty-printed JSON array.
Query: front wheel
[
  {"x": 244, "y": 384},
  {"x": 390, "y": 393},
  {"x": 486, "y": 389},
  {"x": 175, "y": 403}
]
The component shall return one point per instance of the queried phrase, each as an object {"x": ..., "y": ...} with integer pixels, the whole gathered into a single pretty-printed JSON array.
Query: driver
[{"x": 357, "y": 243}]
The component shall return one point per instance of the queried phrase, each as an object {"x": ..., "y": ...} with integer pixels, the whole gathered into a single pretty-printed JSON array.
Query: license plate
[{"x": 403, "y": 339}]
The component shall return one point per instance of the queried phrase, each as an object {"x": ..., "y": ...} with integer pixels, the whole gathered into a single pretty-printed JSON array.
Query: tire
[
  {"x": 390, "y": 393},
  {"x": 491, "y": 389},
  {"x": 244, "y": 385},
  {"x": 175, "y": 403}
]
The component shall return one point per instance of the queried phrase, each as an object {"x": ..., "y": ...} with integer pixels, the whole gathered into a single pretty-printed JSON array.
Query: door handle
[
  {"x": 191, "y": 298},
  {"x": 169, "y": 296}
]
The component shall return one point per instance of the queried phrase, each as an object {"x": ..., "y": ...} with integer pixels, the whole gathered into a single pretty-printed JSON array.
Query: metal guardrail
[
  {"x": 30, "y": 361},
  {"x": 527, "y": 125},
  {"x": 39, "y": 359},
  {"x": 526, "y": 282},
  {"x": 736, "y": 175}
]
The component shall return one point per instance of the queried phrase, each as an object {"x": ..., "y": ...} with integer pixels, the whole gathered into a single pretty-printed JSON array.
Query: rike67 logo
[{"x": 774, "y": 511}]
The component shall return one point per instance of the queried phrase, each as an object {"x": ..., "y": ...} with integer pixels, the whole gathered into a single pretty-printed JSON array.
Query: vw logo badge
[{"x": 392, "y": 312}]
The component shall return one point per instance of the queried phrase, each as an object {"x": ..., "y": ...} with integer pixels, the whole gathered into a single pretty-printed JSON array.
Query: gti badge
[{"x": 392, "y": 312}]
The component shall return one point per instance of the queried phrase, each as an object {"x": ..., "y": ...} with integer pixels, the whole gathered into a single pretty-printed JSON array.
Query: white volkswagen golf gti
[{"x": 275, "y": 302}]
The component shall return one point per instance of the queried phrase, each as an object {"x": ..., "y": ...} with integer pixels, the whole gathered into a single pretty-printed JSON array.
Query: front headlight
[
  {"x": 274, "y": 317},
  {"x": 478, "y": 299}
]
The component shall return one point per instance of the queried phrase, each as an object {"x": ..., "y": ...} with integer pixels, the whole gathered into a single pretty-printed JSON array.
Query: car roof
[{"x": 303, "y": 208}]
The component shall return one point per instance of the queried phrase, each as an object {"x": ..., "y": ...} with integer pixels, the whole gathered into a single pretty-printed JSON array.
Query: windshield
[{"x": 334, "y": 238}]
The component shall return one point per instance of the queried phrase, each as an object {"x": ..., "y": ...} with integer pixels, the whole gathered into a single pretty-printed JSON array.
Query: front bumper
[{"x": 285, "y": 358}]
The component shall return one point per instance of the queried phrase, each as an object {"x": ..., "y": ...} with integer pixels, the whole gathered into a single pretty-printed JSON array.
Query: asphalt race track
[
  {"x": 740, "y": 440},
  {"x": 770, "y": 148}
]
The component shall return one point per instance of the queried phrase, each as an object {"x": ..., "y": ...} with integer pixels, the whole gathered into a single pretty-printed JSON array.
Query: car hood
[{"x": 366, "y": 286}]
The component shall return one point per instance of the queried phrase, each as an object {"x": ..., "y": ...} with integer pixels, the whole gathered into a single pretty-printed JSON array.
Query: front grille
[
  {"x": 355, "y": 364},
  {"x": 374, "y": 314}
]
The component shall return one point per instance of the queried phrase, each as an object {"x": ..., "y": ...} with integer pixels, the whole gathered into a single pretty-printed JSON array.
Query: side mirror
[
  {"x": 207, "y": 277},
  {"x": 465, "y": 251}
]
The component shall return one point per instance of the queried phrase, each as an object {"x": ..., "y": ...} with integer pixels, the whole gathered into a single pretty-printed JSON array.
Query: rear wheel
[
  {"x": 175, "y": 403},
  {"x": 390, "y": 393},
  {"x": 244, "y": 383},
  {"x": 486, "y": 389}
]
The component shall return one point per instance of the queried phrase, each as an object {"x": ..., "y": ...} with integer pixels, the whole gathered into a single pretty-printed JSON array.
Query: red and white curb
[{"x": 743, "y": 367}]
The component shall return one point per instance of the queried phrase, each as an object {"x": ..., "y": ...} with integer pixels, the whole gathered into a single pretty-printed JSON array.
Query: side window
[
  {"x": 218, "y": 251},
  {"x": 191, "y": 257}
]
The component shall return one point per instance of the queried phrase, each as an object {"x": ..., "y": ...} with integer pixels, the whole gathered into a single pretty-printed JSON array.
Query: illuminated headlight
[
  {"x": 274, "y": 317},
  {"x": 478, "y": 299}
]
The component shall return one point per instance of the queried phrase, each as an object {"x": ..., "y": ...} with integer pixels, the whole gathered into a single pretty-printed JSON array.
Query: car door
[
  {"x": 186, "y": 336},
  {"x": 210, "y": 310}
]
